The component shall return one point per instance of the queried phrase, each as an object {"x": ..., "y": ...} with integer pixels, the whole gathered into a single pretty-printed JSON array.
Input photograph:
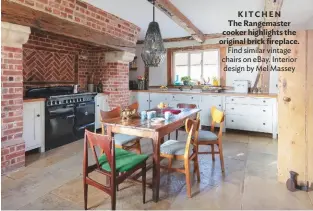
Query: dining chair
[
  {"x": 133, "y": 106},
  {"x": 123, "y": 141},
  {"x": 182, "y": 105},
  {"x": 186, "y": 151},
  {"x": 115, "y": 163},
  {"x": 211, "y": 138}
]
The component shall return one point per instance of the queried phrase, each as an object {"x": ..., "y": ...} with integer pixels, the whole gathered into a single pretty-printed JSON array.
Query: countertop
[
  {"x": 268, "y": 95},
  {"x": 27, "y": 100}
]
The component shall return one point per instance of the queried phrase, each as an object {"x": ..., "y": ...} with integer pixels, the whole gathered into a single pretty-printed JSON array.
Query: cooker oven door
[
  {"x": 85, "y": 117},
  {"x": 59, "y": 126}
]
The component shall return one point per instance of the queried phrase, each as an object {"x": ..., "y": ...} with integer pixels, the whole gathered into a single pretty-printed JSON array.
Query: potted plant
[{"x": 186, "y": 80}]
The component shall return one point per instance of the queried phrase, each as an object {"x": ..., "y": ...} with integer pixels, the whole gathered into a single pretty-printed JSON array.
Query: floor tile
[
  {"x": 269, "y": 194},
  {"x": 53, "y": 180},
  {"x": 51, "y": 202}
]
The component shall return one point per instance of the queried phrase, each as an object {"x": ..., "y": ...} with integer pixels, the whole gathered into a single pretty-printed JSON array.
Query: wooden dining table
[{"x": 155, "y": 131}]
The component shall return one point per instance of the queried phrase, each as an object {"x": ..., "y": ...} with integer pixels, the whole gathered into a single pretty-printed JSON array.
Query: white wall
[{"x": 158, "y": 75}]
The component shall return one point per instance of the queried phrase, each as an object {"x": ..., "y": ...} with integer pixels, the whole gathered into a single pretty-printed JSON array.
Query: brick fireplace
[
  {"x": 53, "y": 60},
  {"x": 35, "y": 57}
]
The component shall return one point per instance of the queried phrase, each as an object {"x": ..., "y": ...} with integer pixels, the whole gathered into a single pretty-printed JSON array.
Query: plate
[{"x": 157, "y": 120}]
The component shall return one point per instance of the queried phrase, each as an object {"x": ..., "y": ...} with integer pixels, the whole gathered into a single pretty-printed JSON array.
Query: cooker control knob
[
  {"x": 64, "y": 101},
  {"x": 81, "y": 99},
  {"x": 49, "y": 103},
  {"x": 57, "y": 102},
  {"x": 53, "y": 102},
  {"x": 68, "y": 101},
  {"x": 72, "y": 100}
]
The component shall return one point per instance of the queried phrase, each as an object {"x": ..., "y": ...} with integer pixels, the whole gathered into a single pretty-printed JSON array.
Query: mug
[
  {"x": 167, "y": 115},
  {"x": 143, "y": 115},
  {"x": 149, "y": 115}
]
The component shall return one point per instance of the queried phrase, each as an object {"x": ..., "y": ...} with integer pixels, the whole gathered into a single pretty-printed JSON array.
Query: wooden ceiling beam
[
  {"x": 178, "y": 17},
  {"x": 188, "y": 38},
  {"x": 18, "y": 14}
]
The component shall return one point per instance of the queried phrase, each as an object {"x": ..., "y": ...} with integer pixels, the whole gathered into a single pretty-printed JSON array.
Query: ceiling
[{"x": 210, "y": 16}]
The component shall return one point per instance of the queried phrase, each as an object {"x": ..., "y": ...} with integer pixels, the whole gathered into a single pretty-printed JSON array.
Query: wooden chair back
[
  {"x": 192, "y": 129},
  {"x": 105, "y": 144},
  {"x": 185, "y": 105},
  {"x": 106, "y": 115},
  {"x": 133, "y": 106},
  {"x": 217, "y": 117}
]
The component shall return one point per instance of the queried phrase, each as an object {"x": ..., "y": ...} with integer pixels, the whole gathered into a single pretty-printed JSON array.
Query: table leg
[{"x": 156, "y": 167}]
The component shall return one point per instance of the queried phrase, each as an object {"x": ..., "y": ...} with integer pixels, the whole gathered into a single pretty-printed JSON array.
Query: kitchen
[{"x": 56, "y": 81}]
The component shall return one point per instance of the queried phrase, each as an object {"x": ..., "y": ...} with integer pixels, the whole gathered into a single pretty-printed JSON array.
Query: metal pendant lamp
[{"x": 153, "y": 51}]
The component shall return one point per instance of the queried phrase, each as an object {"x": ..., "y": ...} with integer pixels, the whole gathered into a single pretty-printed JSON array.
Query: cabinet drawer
[
  {"x": 249, "y": 110},
  {"x": 249, "y": 101},
  {"x": 247, "y": 123},
  {"x": 186, "y": 98},
  {"x": 212, "y": 99}
]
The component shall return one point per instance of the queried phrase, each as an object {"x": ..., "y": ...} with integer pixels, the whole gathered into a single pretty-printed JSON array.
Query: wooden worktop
[
  {"x": 27, "y": 100},
  {"x": 211, "y": 93}
]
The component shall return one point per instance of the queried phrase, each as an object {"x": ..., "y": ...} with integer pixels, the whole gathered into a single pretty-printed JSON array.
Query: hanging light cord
[{"x": 153, "y": 2}]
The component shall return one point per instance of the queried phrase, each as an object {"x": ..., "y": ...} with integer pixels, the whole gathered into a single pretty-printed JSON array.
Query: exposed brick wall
[
  {"x": 115, "y": 80},
  {"x": 87, "y": 15},
  {"x": 12, "y": 144},
  {"x": 53, "y": 58}
]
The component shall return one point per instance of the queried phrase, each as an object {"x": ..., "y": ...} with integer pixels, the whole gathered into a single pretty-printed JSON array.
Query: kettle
[{"x": 75, "y": 88}]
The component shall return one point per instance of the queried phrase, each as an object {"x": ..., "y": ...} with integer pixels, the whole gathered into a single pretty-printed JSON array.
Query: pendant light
[{"x": 153, "y": 51}]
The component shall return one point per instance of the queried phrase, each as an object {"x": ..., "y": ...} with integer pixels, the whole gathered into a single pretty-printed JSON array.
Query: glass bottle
[{"x": 176, "y": 81}]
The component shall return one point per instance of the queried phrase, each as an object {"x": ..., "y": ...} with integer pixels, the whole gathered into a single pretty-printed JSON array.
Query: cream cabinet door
[
  {"x": 33, "y": 125},
  {"x": 156, "y": 98},
  {"x": 101, "y": 103},
  {"x": 207, "y": 101},
  {"x": 143, "y": 100}
]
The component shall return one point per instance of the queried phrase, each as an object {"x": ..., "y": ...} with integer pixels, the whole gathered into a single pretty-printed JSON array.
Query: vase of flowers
[{"x": 141, "y": 82}]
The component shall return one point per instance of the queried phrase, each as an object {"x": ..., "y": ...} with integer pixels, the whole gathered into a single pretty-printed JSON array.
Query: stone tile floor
[{"x": 53, "y": 181}]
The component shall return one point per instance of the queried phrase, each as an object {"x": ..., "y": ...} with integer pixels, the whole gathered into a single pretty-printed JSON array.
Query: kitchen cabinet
[
  {"x": 156, "y": 98},
  {"x": 133, "y": 97},
  {"x": 183, "y": 98},
  {"x": 101, "y": 103},
  {"x": 257, "y": 114},
  {"x": 34, "y": 125},
  {"x": 206, "y": 103},
  {"x": 251, "y": 114},
  {"x": 143, "y": 98}
]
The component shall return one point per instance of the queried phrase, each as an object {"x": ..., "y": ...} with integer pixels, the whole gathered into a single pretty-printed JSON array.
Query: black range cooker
[{"x": 67, "y": 115}]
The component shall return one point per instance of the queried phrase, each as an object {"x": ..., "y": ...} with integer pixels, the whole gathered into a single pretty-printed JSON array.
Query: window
[{"x": 196, "y": 64}]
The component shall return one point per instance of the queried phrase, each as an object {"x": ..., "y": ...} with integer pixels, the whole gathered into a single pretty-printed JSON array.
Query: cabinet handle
[
  {"x": 191, "y": 97},
  {"x": 147, "y": 100},
  {"x": 98, "y": 105},
  {"x": 38, "y": 115},
  {"x": 232, "y": 108},
  {"x": 263, "y": 110},
  {"x": 264, "y": 101},
  {"x": 232, "y": 99},
  {"x": 232, "y": 121},
  {"x": 263, "y": 123},
  {"x": 150, "y": 101},
  {"x": 219, "y": 105}
]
